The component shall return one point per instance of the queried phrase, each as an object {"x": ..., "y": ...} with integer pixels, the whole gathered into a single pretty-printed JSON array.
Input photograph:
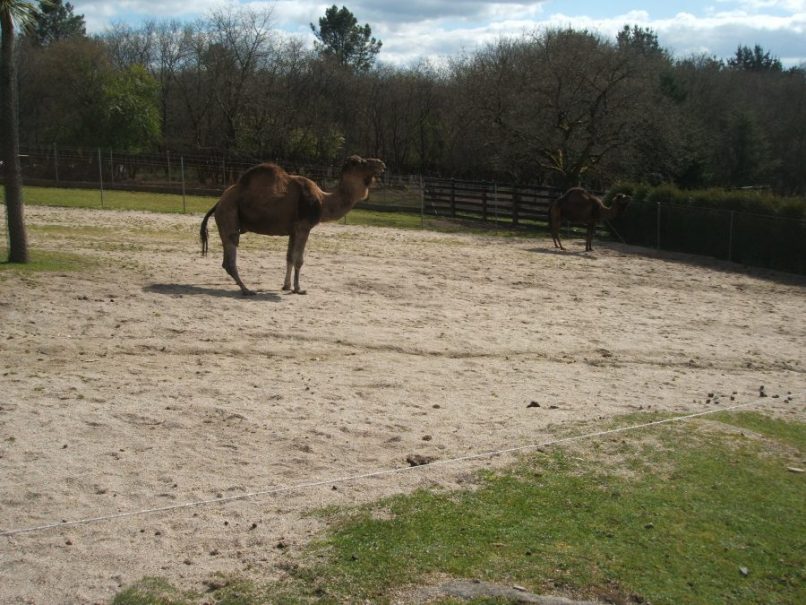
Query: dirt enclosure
[{"x": 147, "y": 382}]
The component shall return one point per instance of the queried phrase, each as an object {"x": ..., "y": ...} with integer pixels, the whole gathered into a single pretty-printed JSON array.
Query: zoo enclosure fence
[
  {"x": 771, "y": 241},
  {"x": 776, "y": 242}
]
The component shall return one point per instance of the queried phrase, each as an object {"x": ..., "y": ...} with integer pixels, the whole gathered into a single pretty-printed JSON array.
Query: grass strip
[
  {"x": 172, "y": 203},
  {"x": 701, "y": 513},
  {"x": 44, "y": 261}
]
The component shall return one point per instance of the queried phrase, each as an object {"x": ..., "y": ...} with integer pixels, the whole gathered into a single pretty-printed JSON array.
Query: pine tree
[{"x": 340, "y": 37}]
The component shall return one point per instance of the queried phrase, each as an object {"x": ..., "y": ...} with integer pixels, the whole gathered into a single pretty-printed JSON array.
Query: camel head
[
  {"x": 619, "y": 202},
  {"x": 367, "y": 170}
]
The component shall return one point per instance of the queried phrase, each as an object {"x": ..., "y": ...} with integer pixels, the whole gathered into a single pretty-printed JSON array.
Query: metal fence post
[
  {"x": 56, "y": 162},
  {"x": 658, "y": 231},
  {"x": 484, "y": 204},
  {"x": 422, "y": 202},
  {"x": 182, "y": 169},
  {"x": 101, "y": 176},
  {"x": 453, "y": 198},
  {"x": 730, "y": 236}
]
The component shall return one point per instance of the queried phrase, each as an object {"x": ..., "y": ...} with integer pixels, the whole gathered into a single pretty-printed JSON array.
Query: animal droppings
[{"x": 419, "y": 460}]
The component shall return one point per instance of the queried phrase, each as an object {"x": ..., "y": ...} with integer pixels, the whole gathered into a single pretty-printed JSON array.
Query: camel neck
[
  {"x": 339, "y": 202},
  {"x": 613, "y": 211}
]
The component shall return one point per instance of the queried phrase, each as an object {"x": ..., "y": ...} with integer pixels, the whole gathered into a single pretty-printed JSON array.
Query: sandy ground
[{"x": 150, "y": 382}]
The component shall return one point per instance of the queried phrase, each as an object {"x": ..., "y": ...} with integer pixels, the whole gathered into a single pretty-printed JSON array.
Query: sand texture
[{"x": 147, "y": 382}]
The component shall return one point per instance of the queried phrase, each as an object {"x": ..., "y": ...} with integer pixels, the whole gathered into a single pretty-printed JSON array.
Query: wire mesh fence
[
  {"x": 197, "y": 174},
  {"x": 777, "y": 242}
]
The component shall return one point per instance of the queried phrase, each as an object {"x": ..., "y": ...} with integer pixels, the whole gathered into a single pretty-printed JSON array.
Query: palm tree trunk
[{"x": 12, "y": 171}]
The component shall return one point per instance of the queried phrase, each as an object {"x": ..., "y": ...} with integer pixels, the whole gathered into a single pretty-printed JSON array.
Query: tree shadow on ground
[
  {"x": 192, "y": 290},
  {"x": 682, "y": 258}
]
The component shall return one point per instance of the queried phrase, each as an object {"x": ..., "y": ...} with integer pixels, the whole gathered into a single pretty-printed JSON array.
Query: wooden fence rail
[{"x": 487, "y": 201}]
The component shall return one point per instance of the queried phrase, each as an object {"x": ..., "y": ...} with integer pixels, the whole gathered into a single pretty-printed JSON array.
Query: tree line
[{"x": 554, "y": 106}]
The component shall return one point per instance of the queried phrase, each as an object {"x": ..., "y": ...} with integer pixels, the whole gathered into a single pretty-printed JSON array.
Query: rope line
[{"x": 367, "y": 475}]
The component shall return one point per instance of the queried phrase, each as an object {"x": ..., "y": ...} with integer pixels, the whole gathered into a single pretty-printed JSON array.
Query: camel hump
[
  {"x": 574, "y": 192},
  {"x": 262, "y": 171}
]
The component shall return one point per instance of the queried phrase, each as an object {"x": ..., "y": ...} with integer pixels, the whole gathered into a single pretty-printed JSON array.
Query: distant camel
[
  {"x": 269, "y": 201},
  {"x": 582, "y": 208}
]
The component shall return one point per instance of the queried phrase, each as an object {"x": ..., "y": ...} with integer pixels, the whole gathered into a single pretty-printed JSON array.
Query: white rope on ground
[{"x": 367, "y": 475}]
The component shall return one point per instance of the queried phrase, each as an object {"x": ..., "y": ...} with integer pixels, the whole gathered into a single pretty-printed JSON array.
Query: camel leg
[
  {"x": 294, "y": 258},
  {"x": 589, "y": 238},
  {"x": 296, "y": 252},
  {"x": 230, "y": 262},
  {"x": 289, "y": 261},
  {"x": 555, "y": 235},
  {"x": 554, "y": 227}
]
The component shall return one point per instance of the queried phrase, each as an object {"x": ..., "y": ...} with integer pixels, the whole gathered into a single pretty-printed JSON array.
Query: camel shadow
[
  {"x": 191, "y": 290},
  {"x": 682, "y": 258},
  {"x": 566, "y": 252}
]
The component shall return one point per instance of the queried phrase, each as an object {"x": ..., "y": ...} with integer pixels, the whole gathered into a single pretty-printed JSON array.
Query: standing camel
[
  {"x": 268, "y": 200},
  {"x": 582, "y": 208}
]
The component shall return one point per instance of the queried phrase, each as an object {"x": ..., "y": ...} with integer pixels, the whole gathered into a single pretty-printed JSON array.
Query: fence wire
[{"x": 776, "y": 242}]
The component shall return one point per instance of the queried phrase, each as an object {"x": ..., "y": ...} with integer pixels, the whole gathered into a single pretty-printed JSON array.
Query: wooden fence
[{"x": 493, "y": 202}]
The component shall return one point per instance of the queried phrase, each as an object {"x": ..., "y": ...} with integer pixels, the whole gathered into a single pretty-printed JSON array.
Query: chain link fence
[
  {"x": 202, "y": 174},
  {"x": 776, "y": 242}
]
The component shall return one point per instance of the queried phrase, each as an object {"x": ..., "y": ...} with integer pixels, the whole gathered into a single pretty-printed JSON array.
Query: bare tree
[
  {"x": 129, "y": 46},
  {"x": 580, "y": 88},
  {"x": 239, "y": 42}
]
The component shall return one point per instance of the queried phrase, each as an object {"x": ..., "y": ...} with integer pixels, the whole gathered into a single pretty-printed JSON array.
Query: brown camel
[
  {"x": 268, "y": 200},
  {"x": 582, "y": 208}
]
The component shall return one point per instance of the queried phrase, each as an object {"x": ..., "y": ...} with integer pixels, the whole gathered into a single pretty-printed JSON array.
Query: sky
[{"x": 413, "y": 30}]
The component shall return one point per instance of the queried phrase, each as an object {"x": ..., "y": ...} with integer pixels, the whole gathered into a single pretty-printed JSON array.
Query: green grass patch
[
  {"x": 42, "y": 260},
  {"x": 116, "y": 200},
  {"x": 155, "y": 591},
  {"x": 375, "y": 218},
  {"x": 171, "y": 203},
  {"x": 563, "y": 524},
  {"x": 694, "y": 513},
  {"x": 780, "y": 430}
]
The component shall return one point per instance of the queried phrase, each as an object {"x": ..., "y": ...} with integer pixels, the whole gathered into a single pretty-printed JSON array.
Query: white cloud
[
  {"x": 792, "y": 6},
  {"x": 437, "y": 29},
  {"x": 721, "y": 34}
]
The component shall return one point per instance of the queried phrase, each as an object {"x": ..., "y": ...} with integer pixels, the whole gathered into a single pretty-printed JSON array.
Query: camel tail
[{"x": 203, "y": 229}]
